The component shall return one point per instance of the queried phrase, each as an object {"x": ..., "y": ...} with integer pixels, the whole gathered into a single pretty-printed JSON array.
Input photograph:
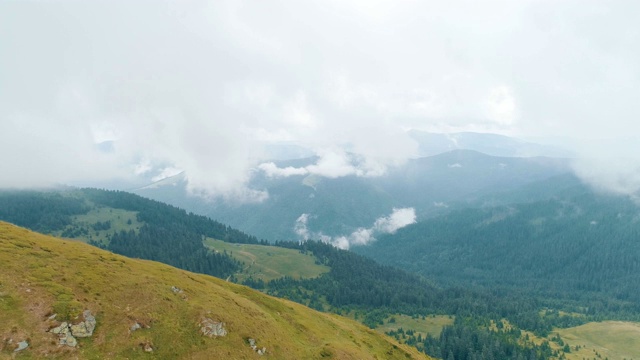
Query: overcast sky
[{"x": 201, "y": 86}]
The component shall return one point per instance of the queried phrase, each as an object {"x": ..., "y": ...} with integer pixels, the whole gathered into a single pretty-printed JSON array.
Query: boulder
[
  {"x": 211, "y": 328},
  {"x": 85, "y": 328},
  {"x": 21, "y": 346},
  {"x": 67, "y": 333}
]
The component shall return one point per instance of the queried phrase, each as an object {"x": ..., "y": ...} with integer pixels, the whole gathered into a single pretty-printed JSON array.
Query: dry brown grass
[{"x": 42, "y": 275}]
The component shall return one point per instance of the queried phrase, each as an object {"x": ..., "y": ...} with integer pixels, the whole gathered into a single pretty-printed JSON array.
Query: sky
[{"x": 204, "y": 86}]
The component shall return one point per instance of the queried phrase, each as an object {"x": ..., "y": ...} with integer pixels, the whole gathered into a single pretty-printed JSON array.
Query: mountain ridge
[{"x": 167, "y": 303}]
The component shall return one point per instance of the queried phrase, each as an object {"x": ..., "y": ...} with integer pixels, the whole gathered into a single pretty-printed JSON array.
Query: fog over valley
[
  {"x": 336, "y": 179},
  {"x": 95, "y": 92}
]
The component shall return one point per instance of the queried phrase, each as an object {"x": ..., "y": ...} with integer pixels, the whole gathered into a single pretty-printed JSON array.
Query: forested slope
[{"x": 581, "y": 247}]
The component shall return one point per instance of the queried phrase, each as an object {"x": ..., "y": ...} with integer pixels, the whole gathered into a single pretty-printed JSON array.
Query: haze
[{"x": 103, "y": 90}]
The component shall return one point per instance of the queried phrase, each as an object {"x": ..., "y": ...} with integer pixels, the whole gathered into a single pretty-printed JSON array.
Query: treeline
[
  {"x": 377, "y": 291},
  {"x": 175, "y": 245},
  {"x": 466, "y": 340},
  {"x": 169, "y": 234},
  {"x": 156, "y": 213},
  {"x": 582, "y": 249},
  {"x": 372, "y": 293},
  {"x": 44, "y": 212}
]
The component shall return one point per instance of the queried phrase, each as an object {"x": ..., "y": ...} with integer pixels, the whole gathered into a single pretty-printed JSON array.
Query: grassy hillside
[
  {"x": 42, "y": 276},
  {"x": 610, "y": 339},
  {"x": 431, "y": 325},
  {"x": 269, "y": 262}
]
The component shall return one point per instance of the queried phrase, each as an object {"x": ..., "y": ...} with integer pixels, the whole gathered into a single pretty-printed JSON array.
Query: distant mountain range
[
  {"x": 432, "y": 185},
  {"x": 570, "y": 242},
  {"x": 491, "y": 144}
]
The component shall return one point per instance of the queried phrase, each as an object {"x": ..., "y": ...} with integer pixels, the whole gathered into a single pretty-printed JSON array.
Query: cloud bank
[
  {"x": 204, "y": 86},
  {"x": 398, "y": 219}
]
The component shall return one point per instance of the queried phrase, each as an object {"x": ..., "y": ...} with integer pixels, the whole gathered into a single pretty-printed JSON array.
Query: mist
[
  {"x": 399, "y": 218},
  {"x": 206, "y": 87}
]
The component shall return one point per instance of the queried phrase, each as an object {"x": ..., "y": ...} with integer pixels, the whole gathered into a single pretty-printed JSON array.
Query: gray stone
[
  {"x": 176, "y": 290},
  {"x": 68, "y": 340},
  {"x": 135, "y": 327},
  {"x": 59, "y": 329},
  {"x": 211, "y": 328},
  {"x": 85, "y": 328},
  {"x": 64, "y": 335},
  {"x": 21, "y": 346}
]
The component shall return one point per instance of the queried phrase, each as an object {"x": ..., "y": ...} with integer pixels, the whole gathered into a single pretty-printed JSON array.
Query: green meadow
[{"x": 269, "y": 262}]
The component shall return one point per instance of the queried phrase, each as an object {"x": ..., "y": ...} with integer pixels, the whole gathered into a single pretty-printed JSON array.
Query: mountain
[
  {"x": 432, "y": 185},
  {"x": 47, "y": 281},
  {"x": 126, "y": 224},
  {"x": 319, "y": 276},
  {"x": 577, "y": 245},
  {"x": 491, "y": 144}
]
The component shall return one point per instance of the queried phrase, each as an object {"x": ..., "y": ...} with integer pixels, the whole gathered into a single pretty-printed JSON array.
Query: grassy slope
[
  {"x": 429, "y": 325},
  {"x": 270, "y": 262},
  {"x": 118, "y": 218},
  {"x": 610, "y": 339},
  {"x": 43, "y": 275}
]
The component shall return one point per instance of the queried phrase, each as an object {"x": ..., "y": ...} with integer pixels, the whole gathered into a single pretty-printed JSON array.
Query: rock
[
  {"x": 176, "y": 290},
  {"x": 52, "y": 317},
  {"x": 85, "y": 328},
  {"x": 254, "y": 347},
  {"x": 64, "y": 334},
  {"x": 135, "y": 327},
  {"x": 68, "y": 340},
  {"x": 21, "y": 346},
  {"x": 59, "y": 329},
  {"x": 211, "y": 328},
  {"x": 147, "y": 347},
  {"x": 67, "y": 333}
]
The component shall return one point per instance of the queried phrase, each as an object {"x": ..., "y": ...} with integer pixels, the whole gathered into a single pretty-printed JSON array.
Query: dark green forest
[
  {"x": 169, "y": 234},
  {"x": 356, "y": 284},
  {"x": 583, "y": 248},
  {"x": 478, "y": 265}
]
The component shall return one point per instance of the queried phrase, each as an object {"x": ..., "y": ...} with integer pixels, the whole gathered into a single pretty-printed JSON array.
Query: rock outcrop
[
  {"x": 254, "y": 347},
  {"x": 211, "y": 328},
  {"x": 67, "y": 332},
  {"x": 64, "y": 334},
  {"x": 21, "y": 346},
  {"x": 85, "y": 328}
]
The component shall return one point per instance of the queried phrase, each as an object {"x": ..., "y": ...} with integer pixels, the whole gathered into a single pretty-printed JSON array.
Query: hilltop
[{"x": 43, "y": 276}]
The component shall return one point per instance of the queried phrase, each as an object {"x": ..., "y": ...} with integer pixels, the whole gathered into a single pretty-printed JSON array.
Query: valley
[{"x": 528, "y": 255}]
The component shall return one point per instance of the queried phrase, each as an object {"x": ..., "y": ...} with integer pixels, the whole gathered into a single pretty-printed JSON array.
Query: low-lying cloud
[
  {"x": 205, "y": 86},
  {"x": 399, "y": 218},
  {"x": 335, "y": 163}
]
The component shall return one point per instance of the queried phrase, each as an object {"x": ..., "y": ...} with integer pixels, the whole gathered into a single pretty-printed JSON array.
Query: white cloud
[
  {"x": 333, "y": 164},
  {"x": 166, "y": 173},
  {"x": 501, "y": 105},
  {"x": 300, "y": 227},
  {"x": 202, "y": 86},
  {"x": 272, "y": 170},
  {"x": 398, "y": 219}
]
